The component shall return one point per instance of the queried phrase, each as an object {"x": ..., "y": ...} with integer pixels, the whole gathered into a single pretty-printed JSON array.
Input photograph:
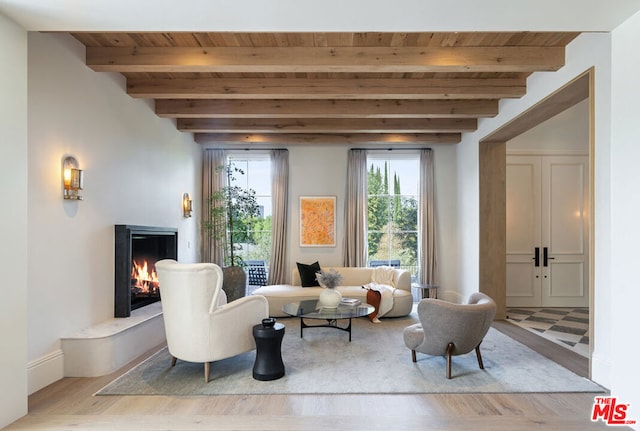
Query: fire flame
[{"x": 143, "y": 280}]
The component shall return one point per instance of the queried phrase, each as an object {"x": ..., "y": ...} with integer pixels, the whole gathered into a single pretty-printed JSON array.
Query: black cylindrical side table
[{"x": 268, "y": 365}]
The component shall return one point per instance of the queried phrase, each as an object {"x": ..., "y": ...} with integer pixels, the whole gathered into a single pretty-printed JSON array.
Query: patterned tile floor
[{"x": 568, "y": 327}]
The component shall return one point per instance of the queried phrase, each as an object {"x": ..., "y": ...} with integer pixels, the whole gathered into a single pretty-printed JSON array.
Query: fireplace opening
[{"x": 137, "y": 249}]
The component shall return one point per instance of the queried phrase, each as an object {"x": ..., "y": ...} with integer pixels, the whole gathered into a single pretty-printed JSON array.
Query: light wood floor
[{"x": 69, "y": 404}]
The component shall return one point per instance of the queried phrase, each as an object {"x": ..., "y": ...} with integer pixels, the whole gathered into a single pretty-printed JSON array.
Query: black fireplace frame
[{"x": 123, "y": 260}]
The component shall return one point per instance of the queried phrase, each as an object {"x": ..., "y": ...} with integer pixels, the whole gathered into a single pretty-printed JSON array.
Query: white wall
[
  {"x": 13, "y": 220},
  {"x": 137, "y": 166},
  {"x": 322, "y": 171},
  {"x": 566, "y": 133},
  {"x": 588, "y": 50},
  {"x": 625, "y": 207},
  {"x": 316, "y": 171}
]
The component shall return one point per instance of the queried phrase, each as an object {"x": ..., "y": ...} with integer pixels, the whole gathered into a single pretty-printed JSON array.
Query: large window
[
  {"x": 254, "y": 236},
  {"x": 393, "y": 211}
]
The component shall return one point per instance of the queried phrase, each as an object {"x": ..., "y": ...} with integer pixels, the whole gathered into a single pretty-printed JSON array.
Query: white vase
[{"x": 330, "y": 298}]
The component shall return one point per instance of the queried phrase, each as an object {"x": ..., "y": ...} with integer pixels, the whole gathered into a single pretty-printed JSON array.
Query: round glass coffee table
[{"x": 311, "y": 309}]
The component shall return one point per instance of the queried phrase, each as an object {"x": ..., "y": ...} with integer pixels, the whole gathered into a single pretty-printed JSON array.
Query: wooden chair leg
[
  {"x": 479, "y": 356},
  {"x": 207, "y": 370},
  {"x": 173, "y": 361},
  {"x": 413, "y": 356},
  {"x": 449, "y": 350}
]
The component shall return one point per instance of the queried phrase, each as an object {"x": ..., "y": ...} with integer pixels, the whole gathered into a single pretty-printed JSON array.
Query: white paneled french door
[{"x": 547, "y": 231}]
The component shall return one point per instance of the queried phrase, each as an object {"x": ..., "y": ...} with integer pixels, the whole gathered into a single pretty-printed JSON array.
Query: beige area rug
[{"x": 376, "y": 361}]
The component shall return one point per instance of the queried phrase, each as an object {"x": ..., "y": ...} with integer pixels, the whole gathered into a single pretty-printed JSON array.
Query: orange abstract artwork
[{"x": 318, "y": 221}]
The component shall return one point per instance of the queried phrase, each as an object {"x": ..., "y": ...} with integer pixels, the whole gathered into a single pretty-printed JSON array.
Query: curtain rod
[
  {"x": 393, "y": 149},
  {"x": 233, "y": 148}
]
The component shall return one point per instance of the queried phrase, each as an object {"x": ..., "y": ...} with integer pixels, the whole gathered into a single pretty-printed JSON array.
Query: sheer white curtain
[
  {"x": 212, "y": 180},
  {"x": 280, "y": 199},
  {"x": 355, "y": 210},
  {"x": 427, "y": 252}
]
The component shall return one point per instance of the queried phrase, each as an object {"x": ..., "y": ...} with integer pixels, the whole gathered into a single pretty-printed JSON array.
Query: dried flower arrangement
[{"x": 329, "y": 279}]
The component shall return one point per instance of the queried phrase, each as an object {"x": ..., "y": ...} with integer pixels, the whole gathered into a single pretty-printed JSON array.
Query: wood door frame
[{"x": 492, "y": 187}]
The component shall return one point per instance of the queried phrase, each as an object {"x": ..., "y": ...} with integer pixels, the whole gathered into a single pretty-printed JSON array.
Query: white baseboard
[
  {"x": 99, "y": 350},
  {"x": 45, "y": 370}
]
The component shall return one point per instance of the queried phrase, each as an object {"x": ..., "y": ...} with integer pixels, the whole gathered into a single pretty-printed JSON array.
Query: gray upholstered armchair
[
  {"x": 448, "y": 329},
  {"x": 200, "y": 325}
]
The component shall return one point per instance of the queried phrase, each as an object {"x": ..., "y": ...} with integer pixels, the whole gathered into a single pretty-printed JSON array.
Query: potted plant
[{"x": 231, "y": 208}]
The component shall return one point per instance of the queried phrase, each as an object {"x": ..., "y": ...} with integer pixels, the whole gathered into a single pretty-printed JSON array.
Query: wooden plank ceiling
[{"x": 300, "y": 88}]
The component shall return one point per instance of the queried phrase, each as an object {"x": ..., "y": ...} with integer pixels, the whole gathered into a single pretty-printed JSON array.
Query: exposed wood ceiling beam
[
  {"x": 295, "y": 88},
  {"x": 328, "y": 125},
  {"x": 325, "y": 59},
  {"x": 277, "y": 88},
  {"x": 206, "y": 108},
  {"x": 335, "y": 138}
]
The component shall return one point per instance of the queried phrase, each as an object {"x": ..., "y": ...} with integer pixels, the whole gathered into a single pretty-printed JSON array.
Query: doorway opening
[{"x": 493, "y": 174}]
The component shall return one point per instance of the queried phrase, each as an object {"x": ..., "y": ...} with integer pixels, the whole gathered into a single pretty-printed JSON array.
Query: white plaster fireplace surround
[{"x": 103, "y": 348}]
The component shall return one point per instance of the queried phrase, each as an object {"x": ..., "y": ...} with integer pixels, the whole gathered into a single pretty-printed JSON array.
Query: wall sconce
[
  {"x": 72, "y": 179},
  {"x": 186, "y": 205}
]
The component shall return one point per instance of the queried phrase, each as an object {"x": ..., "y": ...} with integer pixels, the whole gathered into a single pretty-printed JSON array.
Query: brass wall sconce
[
  {"x": 186, "y": 205},
  {"x": 72, "y": 179}
]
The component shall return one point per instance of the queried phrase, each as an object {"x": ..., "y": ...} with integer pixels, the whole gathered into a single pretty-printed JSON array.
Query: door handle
[
  {"x": 545, "y": 257},
  {"x": 536, "y": 256}
]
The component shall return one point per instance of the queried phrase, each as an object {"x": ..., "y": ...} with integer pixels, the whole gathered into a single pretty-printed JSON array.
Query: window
[
  {"x": 254, "y": 236},
  {"x": 393, "y": 211}
]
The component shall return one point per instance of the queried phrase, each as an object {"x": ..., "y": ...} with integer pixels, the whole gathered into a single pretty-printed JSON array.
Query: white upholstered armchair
[
  {"x": 448, "y": 329},
  {"x": 199, "y": 324}
]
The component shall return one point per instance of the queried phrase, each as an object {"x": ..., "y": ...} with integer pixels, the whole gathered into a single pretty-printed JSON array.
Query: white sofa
[{"x": 351, "y": 287}]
